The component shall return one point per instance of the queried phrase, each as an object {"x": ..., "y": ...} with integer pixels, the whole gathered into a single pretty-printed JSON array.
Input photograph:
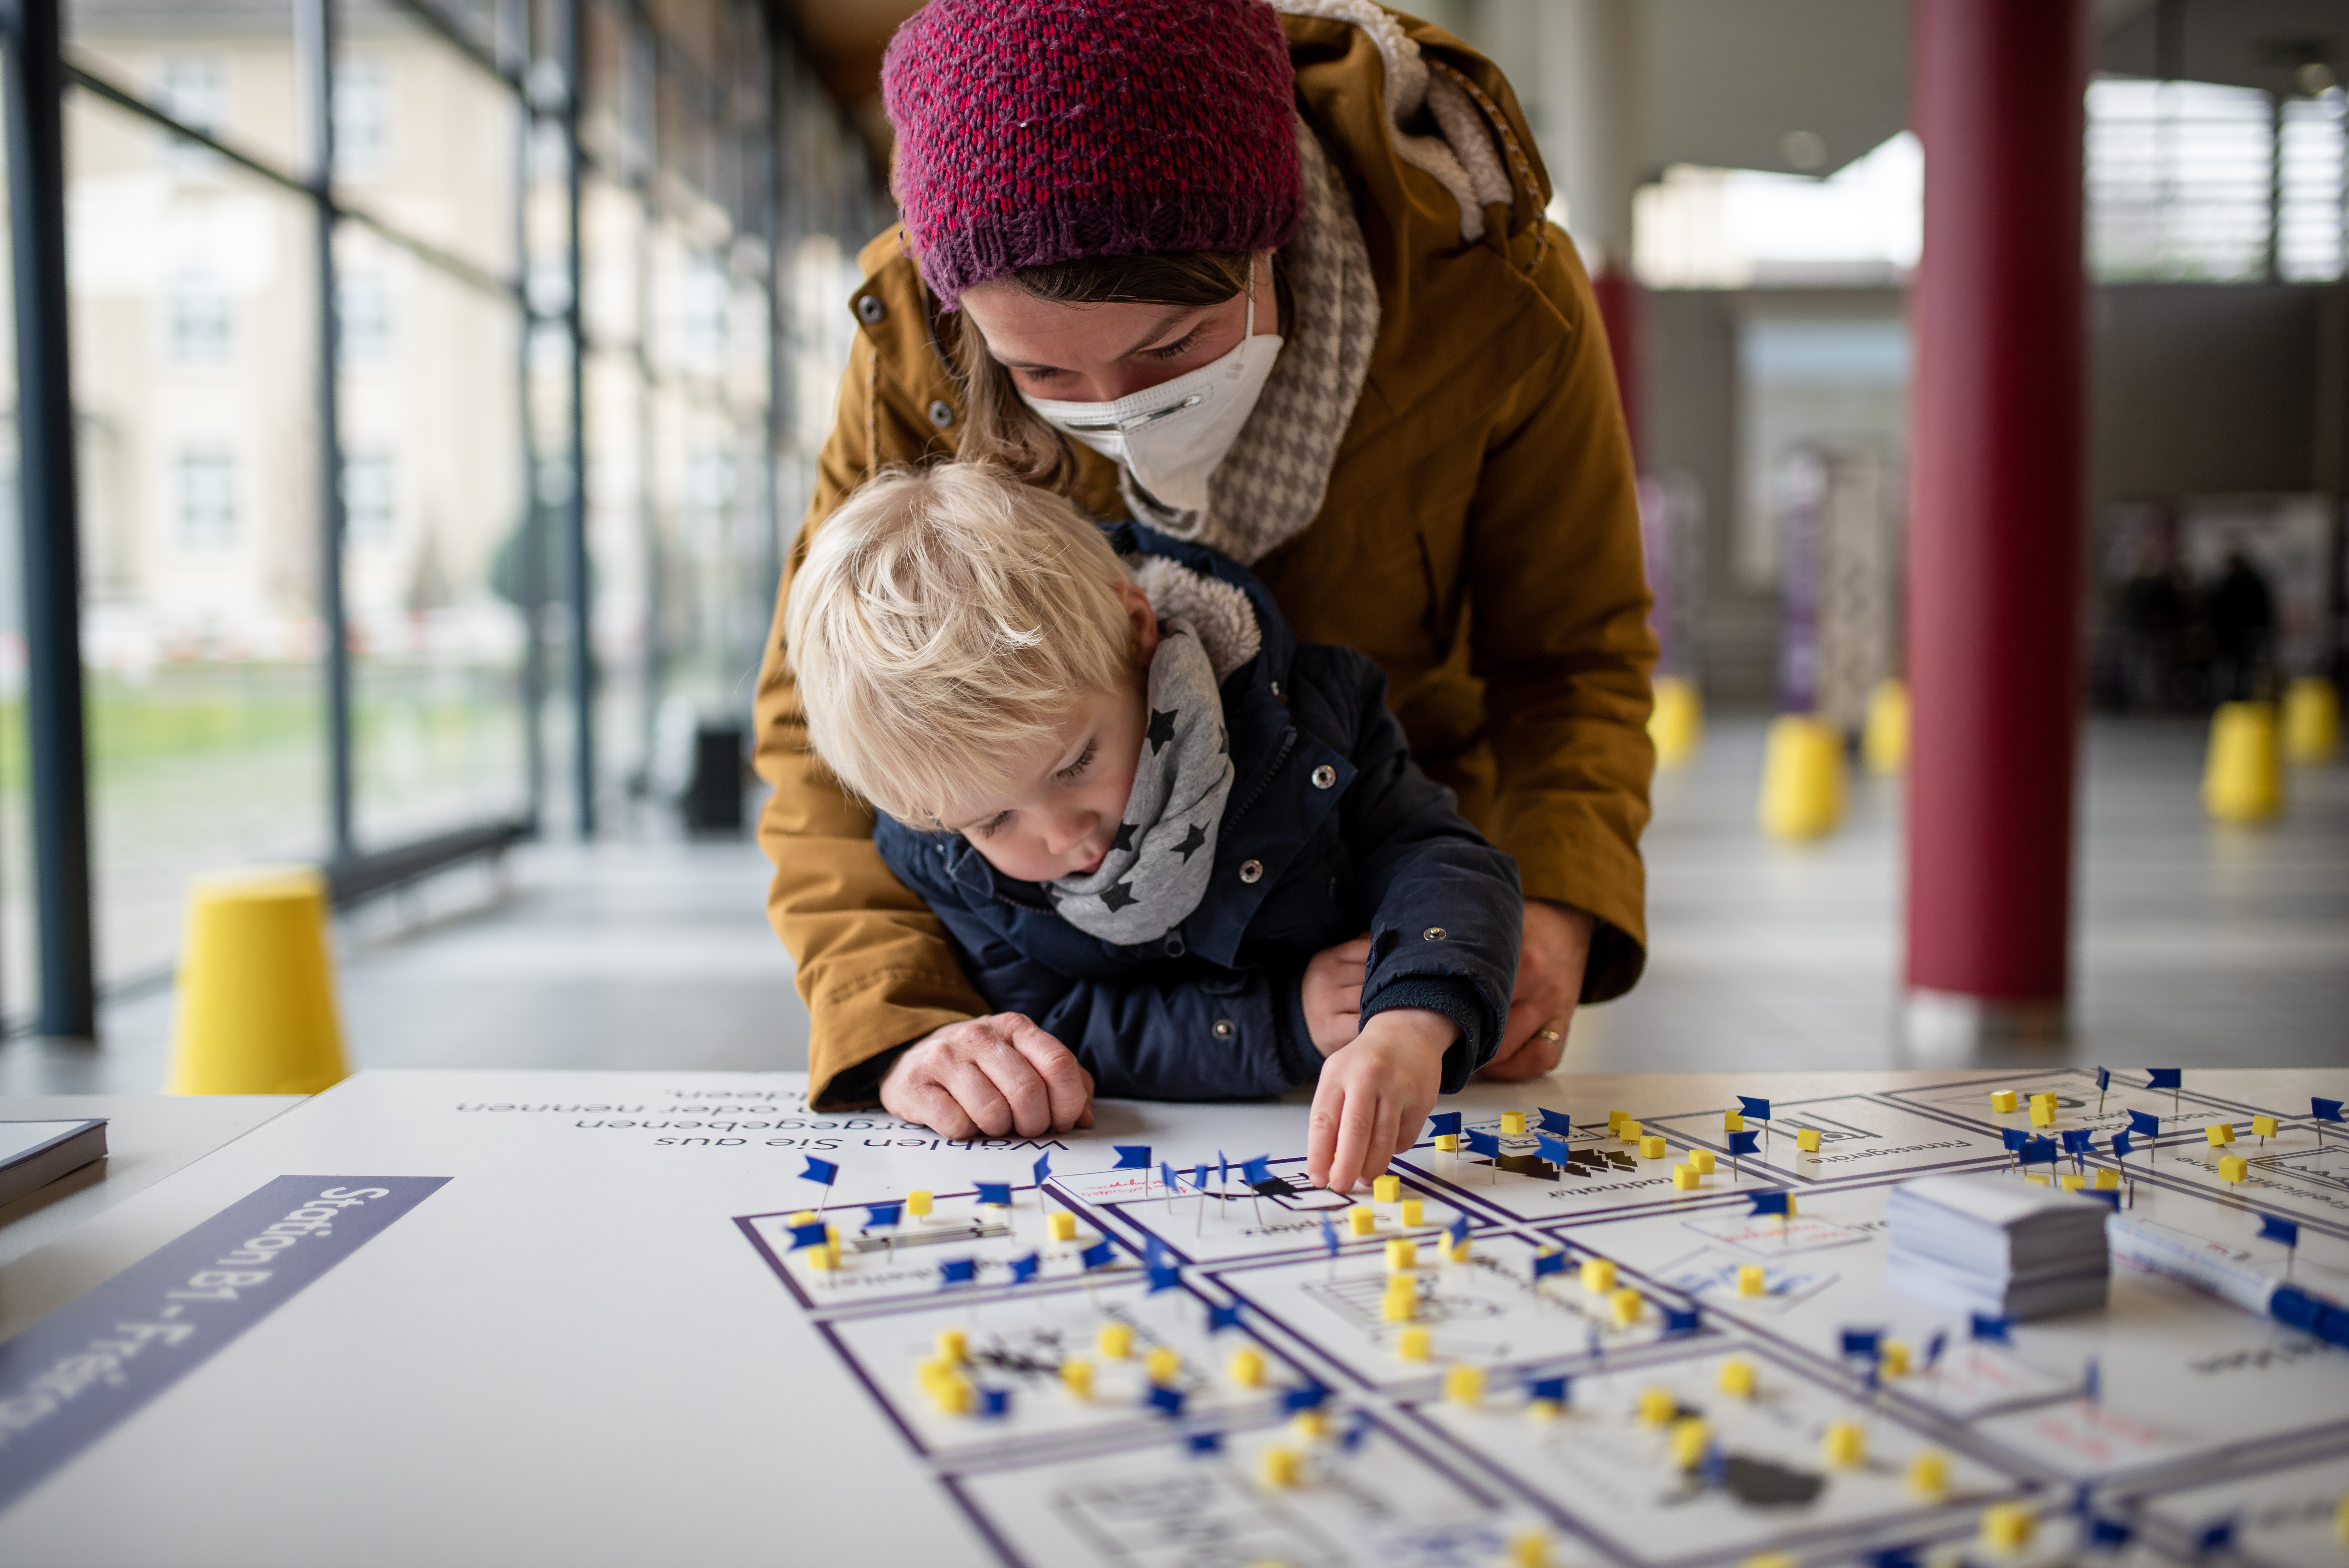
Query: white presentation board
[{"x": 589, "y": 1319}]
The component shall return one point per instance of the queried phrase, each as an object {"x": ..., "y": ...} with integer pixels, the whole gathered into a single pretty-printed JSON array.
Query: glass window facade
[{"x": 330, "y": 602}]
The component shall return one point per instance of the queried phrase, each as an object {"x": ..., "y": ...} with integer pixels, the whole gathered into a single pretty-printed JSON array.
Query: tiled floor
[{"x": 2199, "y": 945}]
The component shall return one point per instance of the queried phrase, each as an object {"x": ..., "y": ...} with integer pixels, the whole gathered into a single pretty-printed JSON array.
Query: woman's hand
[
  {"x": 1332, "y": 992},
  {"x": 1373, "y": 1095},
  {"x": 988, "y": 1078},
  {"x": 1549, "y": 979}
]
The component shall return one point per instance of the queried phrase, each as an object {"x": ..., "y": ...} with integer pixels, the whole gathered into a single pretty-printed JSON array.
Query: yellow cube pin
[
  {"x": 1733, "y": 1121},
  {"x": 1063, "y": 1225},
  {"x": 1078, "y": 1377},
  {"x": 2074, "y": 1180},
  {"x": 2219, "y": 1134},
  {"x": 2036, "y": 1180},
  {"x": 1244, "y": 1368},
  {"x": 1690, "y": 1440},
  {"x": 1400, "y": 1306},
  {"x": 1279, "y": 1469},
  {"x": 1402, "y": 1255},
  {"x": 1753, "y": 1279},
  {"x": 1652, "y": 1146},
  {"x": 1529, "y": 1550},
  {"x": 1415, "y": 1213},
  {"x": 917, "y": 1203},
  {"x": 2001, "y": 1101},
  {"x": 1447, "y": 1143},
  {"x": 954, "y": 1344},
  {"x": 1310, "y": 1426},
  {"x": 1163, "y": 1365},
  {"x": 2233, "y": 1168},
  {"x": 1928, "y": 1473},
  {"x": 1629, "y": 1131},
  {"x": 1115, "y": 1340},
  {"x": 1625, "y": 1303},
  {"x": 1806, "y": 1138},
  {"x": 1773, "y": 1560},
  {"x": 1658, "y": 1407},
  {"x": 2042, "y": 1115},
  {"x": 1702, "y": 1160},
  {"x": 1614, "y": 1119},
  {"x": 1464, "y": 1384},
  {"x": 1362, "y": 1221},
  {"x": 1387, "y": 1189},
  {"x": 1686, "y": 1177},
  {"x": 2107, "y": 1179},
  {"x": 1598, "y": 1276},
  {"x": 1738, "y": 1377},
  {"x": 1415, "y": 1345},
  {"x": 1846, "y": 1444},
  {"x": 2006, "y": 1526},
  {"x": 2264, "y": 1126},
  {"x": 1892, "y": 1359},
  {"x": 1513, "y": 1124}
]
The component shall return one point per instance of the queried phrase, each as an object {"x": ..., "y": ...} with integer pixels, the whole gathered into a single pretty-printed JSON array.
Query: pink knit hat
[{"x": 1037, "y": 132}]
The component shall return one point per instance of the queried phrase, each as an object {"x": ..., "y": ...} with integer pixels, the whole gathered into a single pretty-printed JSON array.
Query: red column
[{"x": 1997, "y": 430}]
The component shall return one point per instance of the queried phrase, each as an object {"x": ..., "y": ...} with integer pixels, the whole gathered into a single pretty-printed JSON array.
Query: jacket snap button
[
  {"x": 1174, "y": 948},
  {"x": 1224, "y": 1029},
  {"x": 1433, "y": 933},
  {"x": 870, "y": 310},
  {"x": 1276, "y": 688},
  {"x": 1324, "y": 776},
  {"x": 1251, "y": 870},
  {"x": 941, "y": 412}
]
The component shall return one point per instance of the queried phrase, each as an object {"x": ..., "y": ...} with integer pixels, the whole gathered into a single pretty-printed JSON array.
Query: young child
[{"x": 1153, "y": 824}]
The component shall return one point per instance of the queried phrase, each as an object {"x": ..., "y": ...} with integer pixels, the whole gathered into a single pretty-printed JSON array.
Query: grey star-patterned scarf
[
  {"x": 1271, "y": 485},
  {"x": 1157, "y": 869}
]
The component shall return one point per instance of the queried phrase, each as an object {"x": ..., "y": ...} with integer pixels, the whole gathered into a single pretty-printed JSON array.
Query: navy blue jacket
[{"x": 1346, "y": 834}]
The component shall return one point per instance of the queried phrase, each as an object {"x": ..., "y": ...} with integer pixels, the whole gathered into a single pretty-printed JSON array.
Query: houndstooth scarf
[
  {"x": 1157, "y": 867},
  {"x": 1270, "y": 486}
]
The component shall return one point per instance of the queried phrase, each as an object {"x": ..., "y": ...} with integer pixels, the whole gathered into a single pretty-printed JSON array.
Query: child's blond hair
[{"x": 941, "y": 625}]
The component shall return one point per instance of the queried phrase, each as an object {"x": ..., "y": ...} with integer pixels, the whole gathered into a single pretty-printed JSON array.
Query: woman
[{"x": 1282, "y": 283}]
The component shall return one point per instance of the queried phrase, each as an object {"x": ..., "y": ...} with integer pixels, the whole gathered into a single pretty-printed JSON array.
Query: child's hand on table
[
  {"x": 1374, "y": 1093},
  {"x": 989, "y": 1076}
]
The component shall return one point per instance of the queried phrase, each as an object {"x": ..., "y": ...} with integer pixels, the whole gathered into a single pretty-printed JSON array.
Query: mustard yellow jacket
[{"x": 1479, "y": 539}]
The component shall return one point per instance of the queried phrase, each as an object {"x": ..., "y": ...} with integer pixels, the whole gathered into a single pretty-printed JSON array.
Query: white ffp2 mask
[{"x": 1171, "y": 437}]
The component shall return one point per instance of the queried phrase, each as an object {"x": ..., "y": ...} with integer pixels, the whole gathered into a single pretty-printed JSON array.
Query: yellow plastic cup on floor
[
  {"x": 256, "y": 1005},
  {"x": 2312, "y": 720},
  {"x": 2242, "y": 777},
  {"x": 1676, "y": 723},
  {"x": 1883, "y": 742},
  {"x": 1802, "y": 778}
]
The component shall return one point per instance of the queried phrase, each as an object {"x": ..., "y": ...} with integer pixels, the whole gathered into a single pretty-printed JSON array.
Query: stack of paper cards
[{"x": 1996, "y": 1245}]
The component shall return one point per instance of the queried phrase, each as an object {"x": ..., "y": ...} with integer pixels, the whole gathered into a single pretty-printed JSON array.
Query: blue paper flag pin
[
  {"x": 1549, "y": 1264},
  {"x": 1131, "y": 1156},
  {"x": 2039, "y": 1152},
  {"x": 1554, "y": 1150},
  {"x": 1550, "y": 1389},
  {"x": 1776, "y": 1203},
  {"x": 1223, "y": 1170},
  {"x": 2092, "y": 1381},
  {"x": 1935, "y": 1346},
  {"x": 1555, "y": 1121},
  {"x": 1308, "y": 1397},
  {"x": 1457, "y": 1230},
  {"x": 995, "y": 1401},
  {"x": 2079, "y": 1139},
  {"x": 958, "y": 1270},
  {"x": 1024, "y": 1269},
  {"x": 1042, "y": 1168},
  {"x": 1166, "y": 1177},
  {"x": 2272, "y": 1229},
  {"x": 995, "y": 1195},
  {"x": 1679, "y": 1324},
  {"x": 2122, "y": 1143},
  {"x": 822, "y": 1173},
  {"x": 1257, "y": 1171},
  {"x": 1358, "y": 1427},
  {"x": 1482, "y": 1144},
  {"x": 2109, "y": 1199},
  {"x": 2164, "y": 1078},
  {"x": 1868, "y": 1342},
  {"x": 811, "y": 1235},
  {"x": 1893, "y": 1557},
  {"x": 1099, "y": 1256},
  {"x": 1199, "y": 1176},
  {"x": 1329, "y": 1236},
  {"x": 2323, "y": 1109},
  {"x": 2015, "y": 1138},
  {"x": 1167, "y": 1401},
  {"x": 1206, "y": 1442},
  {"x": 1163, "y": 1276},
  {"x": 2216, "y": 1537},
  {"x": 2108, "y": 1533},
  {"x": 1443, "y": 1124},
  {"x": 2145, "y": 1124},
  {"x": 1992, "y": 1330},
  {"x": 1759, "y": 1110},
  {"x": 1222, "y": 1317},
  {"x": 879, "y": 1214},
  {"x": 1743, "y": 1143}
]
